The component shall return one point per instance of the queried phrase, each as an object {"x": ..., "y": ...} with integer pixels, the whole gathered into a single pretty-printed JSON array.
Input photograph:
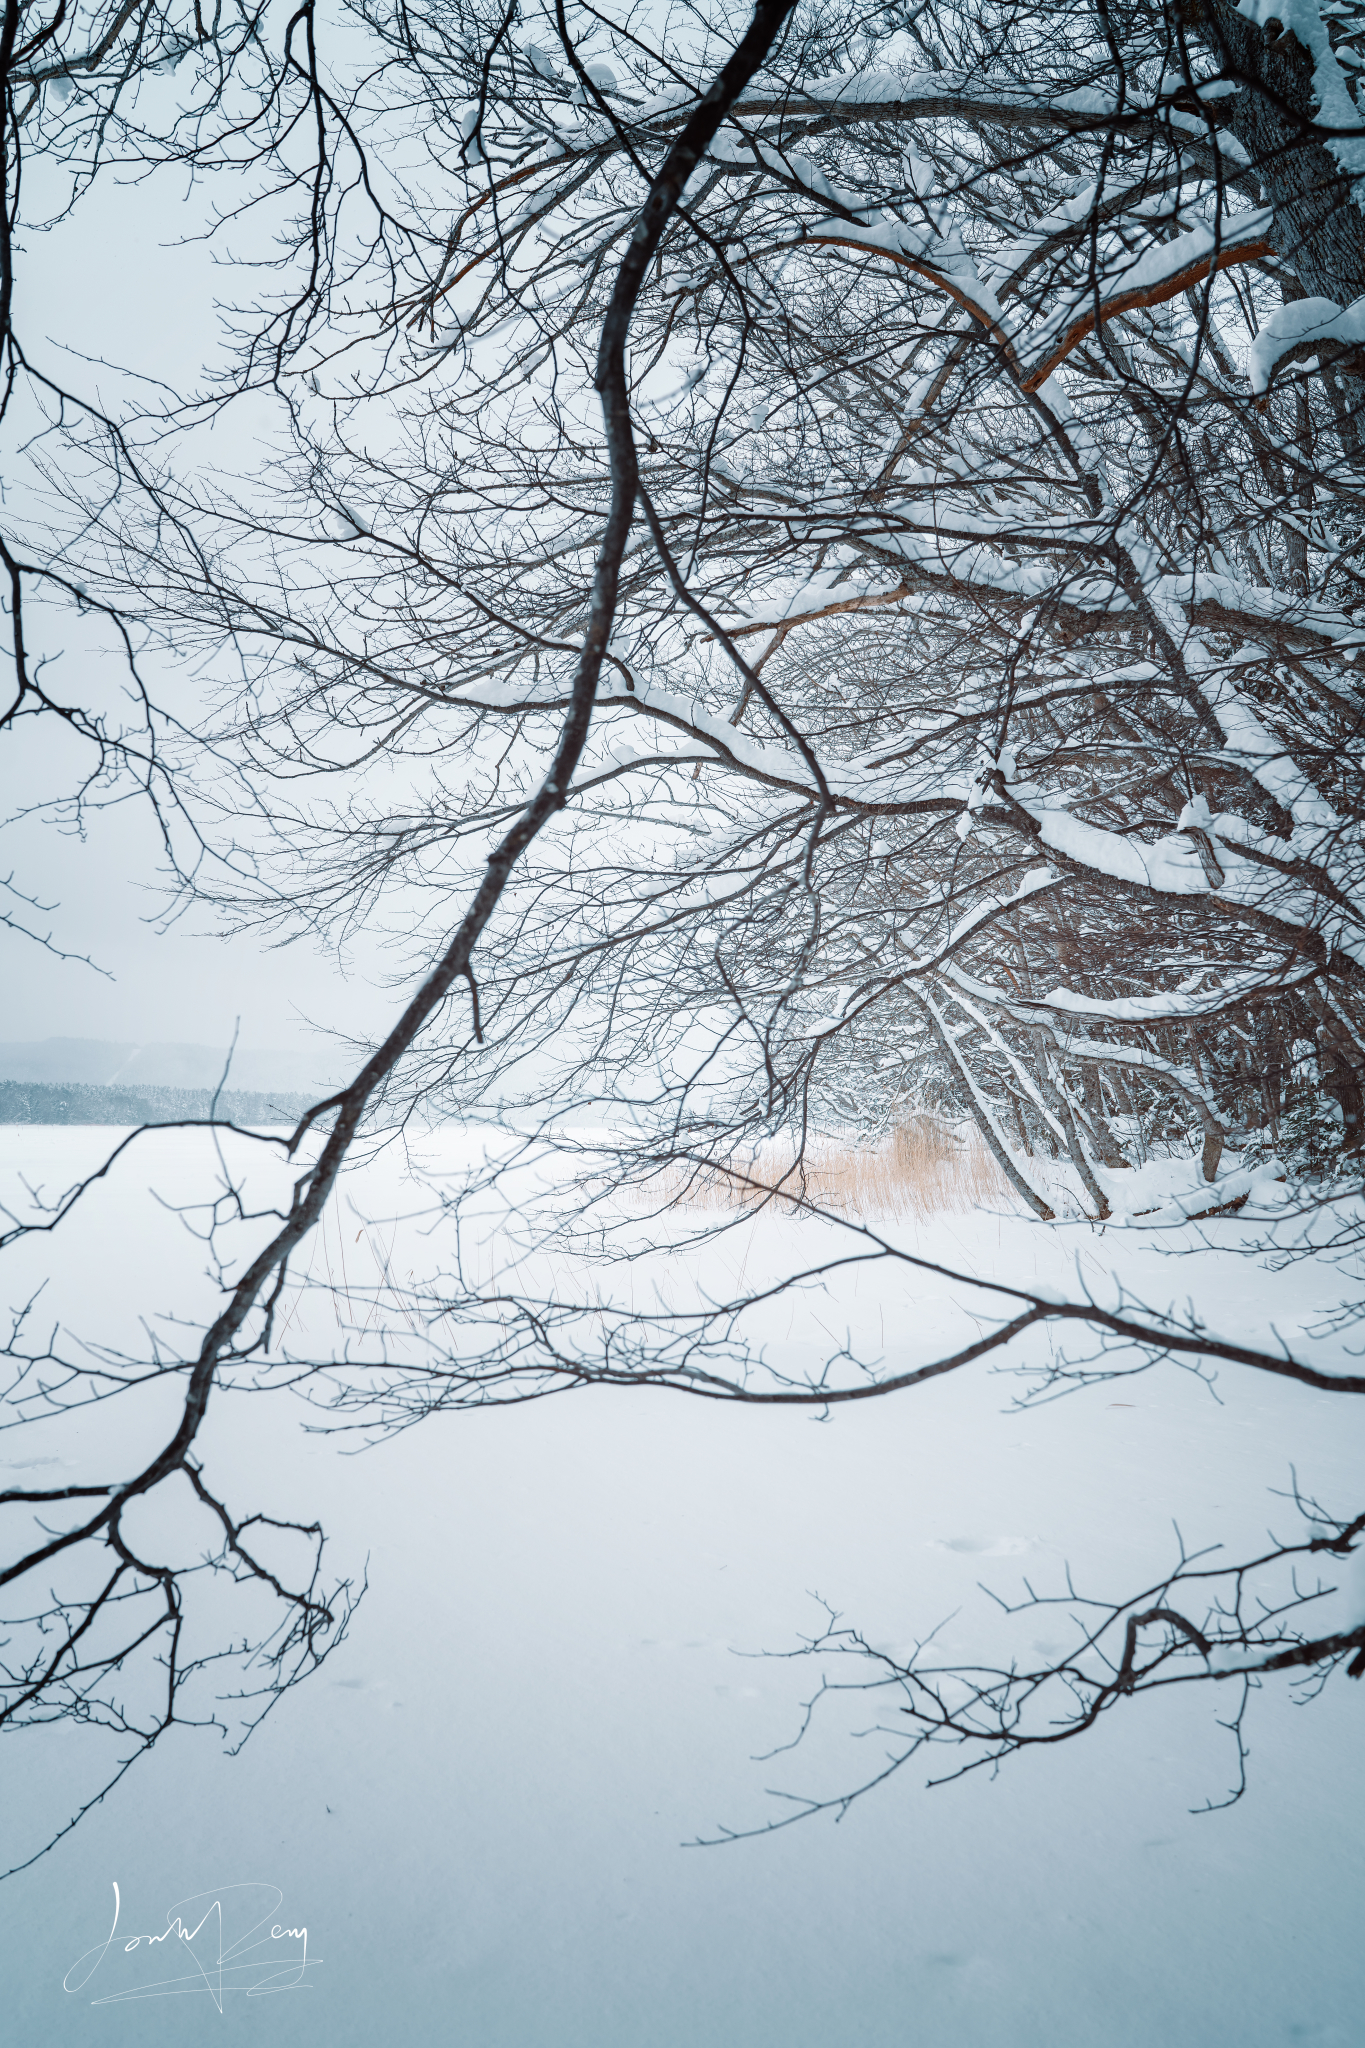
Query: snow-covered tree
[
  {"x": 875, "y": 540},
  {"x": 981, "y": 694}
]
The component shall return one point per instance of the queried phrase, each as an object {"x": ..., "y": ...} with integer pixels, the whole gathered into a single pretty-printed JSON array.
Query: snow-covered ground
[{"x": 479, "y": 1807}]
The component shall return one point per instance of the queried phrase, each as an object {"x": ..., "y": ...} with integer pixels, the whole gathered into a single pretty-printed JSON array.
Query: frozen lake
[{"x": 479, "y": 1808}]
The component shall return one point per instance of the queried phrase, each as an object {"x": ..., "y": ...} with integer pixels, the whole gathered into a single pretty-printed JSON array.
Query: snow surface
[{"x": 477, "y": 1809}]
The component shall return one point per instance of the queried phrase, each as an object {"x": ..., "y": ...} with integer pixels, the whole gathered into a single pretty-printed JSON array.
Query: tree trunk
[{"x": 1318, "y": 231}]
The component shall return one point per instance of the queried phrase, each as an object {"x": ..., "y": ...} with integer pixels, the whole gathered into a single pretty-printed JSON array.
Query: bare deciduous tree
[{"x": 930, "y": 679}]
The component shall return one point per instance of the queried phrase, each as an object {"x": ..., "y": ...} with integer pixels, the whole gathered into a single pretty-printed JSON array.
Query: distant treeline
[{"x": 44, "y": 1102}]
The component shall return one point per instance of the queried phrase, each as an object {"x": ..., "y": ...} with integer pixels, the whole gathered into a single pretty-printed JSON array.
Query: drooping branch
[{"x": 231, "y": 1337}]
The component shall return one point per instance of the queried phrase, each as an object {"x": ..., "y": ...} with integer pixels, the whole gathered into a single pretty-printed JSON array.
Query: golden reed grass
[{"x": 922, "y": 1168}]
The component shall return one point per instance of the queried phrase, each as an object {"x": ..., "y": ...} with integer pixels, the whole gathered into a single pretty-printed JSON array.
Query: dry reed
[{"x": 924, "y": 1167}]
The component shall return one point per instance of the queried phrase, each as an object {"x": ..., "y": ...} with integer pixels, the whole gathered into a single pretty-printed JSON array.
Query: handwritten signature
[{"x": 254, "y": 1962}]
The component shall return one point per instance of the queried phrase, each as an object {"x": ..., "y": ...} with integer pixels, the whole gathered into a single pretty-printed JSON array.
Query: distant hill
[
  {"x": 98, "y": 1062},
  {"x": 44, "y": 1102}
]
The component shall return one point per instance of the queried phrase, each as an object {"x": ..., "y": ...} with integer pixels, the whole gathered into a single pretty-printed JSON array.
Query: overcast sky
[
  {"x": 153, "y": 301},
  {"x": 180, "y": 986}
]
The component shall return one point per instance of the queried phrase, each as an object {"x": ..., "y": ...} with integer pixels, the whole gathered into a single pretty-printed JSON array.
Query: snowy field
[{"x": 480, "y": 1807}]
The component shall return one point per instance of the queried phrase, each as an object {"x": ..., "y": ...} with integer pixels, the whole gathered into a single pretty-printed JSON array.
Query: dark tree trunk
[
  {"x": 1319, "y": 231},
  {"x": 1341, "y": 1079}
]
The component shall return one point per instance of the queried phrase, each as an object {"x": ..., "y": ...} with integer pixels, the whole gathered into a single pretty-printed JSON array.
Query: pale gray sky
[
  {"x": 119, "y": 284},
  {"x": 179, "y": 985}
]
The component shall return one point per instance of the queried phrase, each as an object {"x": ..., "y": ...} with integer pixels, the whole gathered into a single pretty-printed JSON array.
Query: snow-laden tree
[
  {"x": 982, "y": 679},
  {"x": 916, "y": 662}
]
